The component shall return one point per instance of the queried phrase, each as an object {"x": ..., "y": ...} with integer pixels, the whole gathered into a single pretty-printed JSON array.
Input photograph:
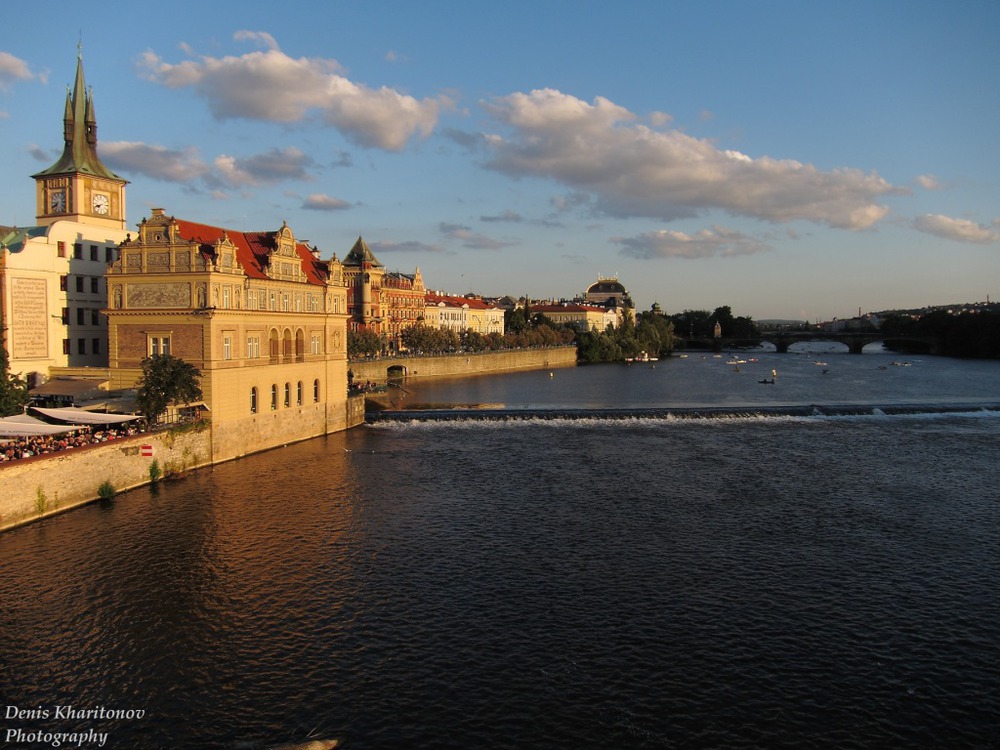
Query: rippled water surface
[{"x": 782, "y": 581}]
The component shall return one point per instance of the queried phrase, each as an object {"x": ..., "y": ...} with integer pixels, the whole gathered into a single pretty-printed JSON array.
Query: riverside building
[
  {"x": 380, "y": 301},
  {"x": 462, "y": 314},
  {"x": 258, "y": 313}
]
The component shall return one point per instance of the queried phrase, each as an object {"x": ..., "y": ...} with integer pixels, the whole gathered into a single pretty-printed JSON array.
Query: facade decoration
[{"x": 259, "y": 313}]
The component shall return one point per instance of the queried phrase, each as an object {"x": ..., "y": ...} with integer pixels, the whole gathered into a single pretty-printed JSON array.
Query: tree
[
  {"x": 13, "y": 388},
  {"x": 166, "y": 379},
  {"x": 365, "y": 343}
]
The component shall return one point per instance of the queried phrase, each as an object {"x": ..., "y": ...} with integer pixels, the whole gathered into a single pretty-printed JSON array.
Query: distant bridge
[{"x": 856, "y": 341}]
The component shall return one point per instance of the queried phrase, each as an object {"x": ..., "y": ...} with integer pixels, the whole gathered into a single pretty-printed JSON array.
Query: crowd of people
[
  {"x": 367, "y": 386},
  {"x": 38, "y": 445}
]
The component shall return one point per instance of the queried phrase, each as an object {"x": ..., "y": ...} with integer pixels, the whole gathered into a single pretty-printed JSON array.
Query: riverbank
[
  {"x": 382, "y": 370},
  {"x": 45, "y": 485},
  {"x": 42, "y": 486}
]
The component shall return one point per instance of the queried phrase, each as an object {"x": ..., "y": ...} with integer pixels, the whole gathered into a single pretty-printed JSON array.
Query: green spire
[{"x": 80, "y": 134}]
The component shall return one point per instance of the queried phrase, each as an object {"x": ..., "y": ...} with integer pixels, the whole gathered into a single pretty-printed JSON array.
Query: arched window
[
  {"x": 316, "y": 390},
  {"x": 274, "y": 396},
  {"x": 274, "y": 345},
  {"x": 253, "y": 400},
  {"x": 298, "y": 394},
  {"x": 288, "y": 395}
]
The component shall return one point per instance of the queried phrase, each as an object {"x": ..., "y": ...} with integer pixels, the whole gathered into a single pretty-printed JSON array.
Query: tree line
[
  {"x": 650, "y": 332},
  {"x": 968, "y": 334}
]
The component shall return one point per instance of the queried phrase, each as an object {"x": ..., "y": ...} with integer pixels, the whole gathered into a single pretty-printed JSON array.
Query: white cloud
[
  {"x": 470, "y": 239},
  {"x": 270, "y": 86},
  {"x": 706, "y": 243},
  {"x": 157, "y": 162},
  {"x": 928, "y": 182},
  {"x": 632, "y": 170},
  {"x": 14, "y": 69},
  {"x": 323, "y": 202},
  {"x": 273, "y": 166},
  {"x": 961, "y": 230},
  {"x": 261, "y": 38},
  {"x": 410, "y": 246},
  {"x": 187, "y": 166}
]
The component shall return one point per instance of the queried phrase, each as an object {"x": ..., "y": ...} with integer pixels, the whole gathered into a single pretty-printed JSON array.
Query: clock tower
[{"x": 79, "y": 187}]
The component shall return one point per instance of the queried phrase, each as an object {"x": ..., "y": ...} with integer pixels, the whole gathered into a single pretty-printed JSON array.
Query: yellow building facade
[
  {"x": 258, "y": 313},
  {"x": 579, "y": 316},
  {"x": 462, "y": 314}
]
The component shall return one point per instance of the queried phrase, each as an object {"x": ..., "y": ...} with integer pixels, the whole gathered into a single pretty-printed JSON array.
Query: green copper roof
[
  {"x": 359, "y": 254},
  {"x": 80, "y": 133}
]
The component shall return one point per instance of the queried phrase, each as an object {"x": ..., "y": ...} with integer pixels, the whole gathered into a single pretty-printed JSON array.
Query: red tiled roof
[
  {"x": 474, "y": 304},
  {"x": 252, "y": 249}
]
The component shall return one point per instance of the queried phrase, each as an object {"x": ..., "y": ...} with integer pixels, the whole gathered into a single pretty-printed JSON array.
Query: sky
[{"x": 797, "y": 160}]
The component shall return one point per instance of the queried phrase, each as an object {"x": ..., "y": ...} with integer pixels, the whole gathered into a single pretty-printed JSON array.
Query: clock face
[
  {"x": 57, "y": 202},
  {"x": 101, "y": 203}
]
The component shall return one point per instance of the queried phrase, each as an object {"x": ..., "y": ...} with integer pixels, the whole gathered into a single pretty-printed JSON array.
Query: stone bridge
[{"x": 854, "y": 340}]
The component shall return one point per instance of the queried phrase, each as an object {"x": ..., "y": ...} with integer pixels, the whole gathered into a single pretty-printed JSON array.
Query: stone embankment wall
[
  {"x": 34, "y": 488},
  {"x": 457, "y": 365},
  {"x": 41, "y": 486}
]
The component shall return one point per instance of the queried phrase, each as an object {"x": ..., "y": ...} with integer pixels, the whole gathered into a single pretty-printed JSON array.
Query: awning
[
  {"x": 23, "y": 425},
  {"x": 80, "y": 416},
  {"x": 70, "y": 387}
]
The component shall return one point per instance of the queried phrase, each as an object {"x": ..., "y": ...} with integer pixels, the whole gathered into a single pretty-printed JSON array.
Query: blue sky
[{"x": 789, "y": 159}]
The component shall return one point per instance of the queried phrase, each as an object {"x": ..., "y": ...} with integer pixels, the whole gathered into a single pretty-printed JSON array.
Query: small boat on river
[{"x": 642, "y": 357}]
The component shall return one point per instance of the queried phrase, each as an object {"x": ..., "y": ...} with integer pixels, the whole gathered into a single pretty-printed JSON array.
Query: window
[
  {"x": 95, "y": 318},
  {"x": 95, "y": 282},
  {"x": 96, "y": 345},
  {"x": 274, "y": 397},
  {"x": 227, "y": 347},
  {"x": 316, "y": 390},
  {"x": 62, "y": 248},
  {"x": 298, "y": 394},
  {"x": 80, "y": 313},
  {"x": 79, "y": 283},
  {"x": 253, "y": 347},
  {"x": 78, "y": 251},
  {"x": 271, "y": 303},
  {"x": 83, "y": 345},
  {"x": 65, "y": 316},
  {"x": 63, "y": 283},
  {"x": 253, "y": 400},
  {"x": 109, "y": 255},
  {"x": 159, "y": 345},
  {"x": 225, "y": 298},
  {"x": 288, "y": 395},
  {"x": 93, "y": 252},
  {"x": 65, "y": 346}
]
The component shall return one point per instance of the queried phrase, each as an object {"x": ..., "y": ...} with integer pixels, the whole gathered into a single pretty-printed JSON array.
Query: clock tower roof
[{"x": 80, "y": 134}]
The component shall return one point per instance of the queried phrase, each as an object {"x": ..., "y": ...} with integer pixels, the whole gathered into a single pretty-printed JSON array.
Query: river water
[{"x": 662, "y": 555}]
